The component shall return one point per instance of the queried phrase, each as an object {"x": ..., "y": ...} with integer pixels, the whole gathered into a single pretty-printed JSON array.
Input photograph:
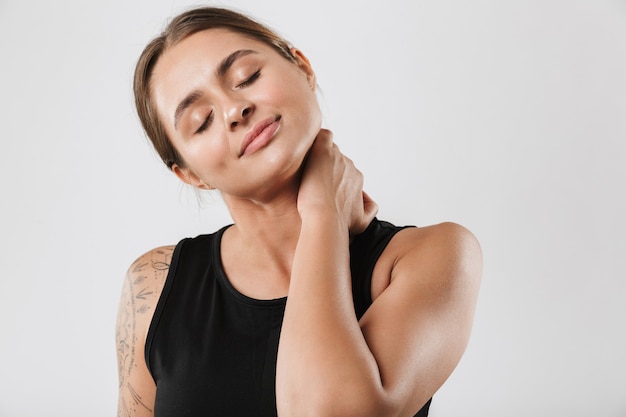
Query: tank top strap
[
  {"x": 158, "y": 311},
  {"x": 365, "y": 249}
]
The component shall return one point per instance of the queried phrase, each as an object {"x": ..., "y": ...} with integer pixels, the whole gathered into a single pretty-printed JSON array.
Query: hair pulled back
[{"x": 181, "y": 27}]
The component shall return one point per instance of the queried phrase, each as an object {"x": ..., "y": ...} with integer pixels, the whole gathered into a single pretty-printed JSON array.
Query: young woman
[{"x": 307, "y": 305}]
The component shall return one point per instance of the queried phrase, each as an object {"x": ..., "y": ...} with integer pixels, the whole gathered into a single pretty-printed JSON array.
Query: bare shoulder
[
  {"x": 151, "y": 268},
  {"x": 145, "y": 279},
  {"x": 444, "y": 239},
  {"x": 445, "y": 251},
  {"x": 440, "y": 267},
  {"x": 140, "y": 294},
  {"x": 442, "y": 254},
  {"x": 157, "y": 259}
]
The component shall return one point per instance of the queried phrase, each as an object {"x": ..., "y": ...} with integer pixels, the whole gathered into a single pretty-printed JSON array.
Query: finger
[
  {"x": 370, "y": 208},
  {"x": 324, "y": 137}
]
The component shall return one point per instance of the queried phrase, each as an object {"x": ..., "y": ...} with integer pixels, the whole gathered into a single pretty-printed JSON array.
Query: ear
[
  {"x": 303, "y": 63},
  {"x": 189, "y": 177}
]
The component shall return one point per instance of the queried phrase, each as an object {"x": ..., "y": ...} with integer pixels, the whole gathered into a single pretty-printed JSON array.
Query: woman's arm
[
  {"x": 142, "y": 287},
  {"x": 411, "y": 337},
  {"x": 420, "y": 324}
]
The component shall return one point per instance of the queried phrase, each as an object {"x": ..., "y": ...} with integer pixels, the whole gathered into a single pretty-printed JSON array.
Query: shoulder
[
  {"x": 144, "y": 282},
  {"x": 441, "y": 266},
  {"x": 154, "y": 260},
  {"x": 445, "y": 255},
  {"x": 449, "y": 243},
  {"x": 444, "y": 239},
  {"x": 433, "y": 256},
  {"x": 145, "y": 278}
]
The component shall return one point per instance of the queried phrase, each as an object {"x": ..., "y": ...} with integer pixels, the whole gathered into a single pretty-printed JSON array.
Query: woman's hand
[{"x": 331, "y": 184}]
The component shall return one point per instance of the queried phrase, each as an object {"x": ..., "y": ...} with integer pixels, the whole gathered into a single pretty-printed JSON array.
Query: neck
[{"x": 267, "y": 230}]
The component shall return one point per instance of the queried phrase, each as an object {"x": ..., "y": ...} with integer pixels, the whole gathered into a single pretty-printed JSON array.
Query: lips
[{"x": 260, "y": 134}]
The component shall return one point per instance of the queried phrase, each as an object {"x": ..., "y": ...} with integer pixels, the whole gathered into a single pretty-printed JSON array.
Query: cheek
[
  {"x": 291, "y": 87},
  {"x": 310, "y": 115},
  {"x": 301, "y": 100},
  {"x": 206, "y": 156}
]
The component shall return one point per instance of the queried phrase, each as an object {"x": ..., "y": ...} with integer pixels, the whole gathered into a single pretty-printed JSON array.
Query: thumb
[
  {"x": 324, "y": 138},
  {"x": 370, "y": 208}
]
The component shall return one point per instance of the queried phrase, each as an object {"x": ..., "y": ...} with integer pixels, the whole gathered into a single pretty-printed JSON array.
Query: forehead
[{"x": 211, "y": 43}]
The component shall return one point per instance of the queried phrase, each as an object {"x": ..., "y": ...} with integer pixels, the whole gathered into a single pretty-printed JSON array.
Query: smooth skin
[{"x": 295, "y": 202}]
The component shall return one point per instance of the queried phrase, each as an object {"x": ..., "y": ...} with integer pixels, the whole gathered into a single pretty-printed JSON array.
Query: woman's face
[{"x": 242, "y": 116}]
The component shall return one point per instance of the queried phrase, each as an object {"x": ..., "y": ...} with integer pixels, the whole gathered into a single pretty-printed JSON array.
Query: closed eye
[
  {"x": 205, "y": 124},
  {"x": 250, "y": 80}
]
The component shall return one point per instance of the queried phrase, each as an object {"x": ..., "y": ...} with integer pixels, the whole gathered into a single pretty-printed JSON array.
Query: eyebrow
[
  {"x": 228, "y": 62},
  {"x": 183, "y": 105},
  {"x": 222, "y": 69}
]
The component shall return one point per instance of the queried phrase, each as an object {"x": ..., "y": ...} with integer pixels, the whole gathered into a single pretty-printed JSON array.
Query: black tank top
[{"x": 212, "y": 350}]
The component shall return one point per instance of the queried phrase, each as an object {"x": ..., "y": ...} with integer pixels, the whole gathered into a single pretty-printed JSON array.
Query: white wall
[{"x": 506, "y": 116}]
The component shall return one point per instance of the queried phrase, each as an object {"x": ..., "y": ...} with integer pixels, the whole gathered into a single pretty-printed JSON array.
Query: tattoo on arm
[
  {"x": 138, "y": 298},
  {"x": 125, "y": 332},
  {"x": 137, "y": 398}
]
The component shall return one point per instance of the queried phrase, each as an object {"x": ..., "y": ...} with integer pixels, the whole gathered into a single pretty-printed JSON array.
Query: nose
[{"x": 238, "y": 113}]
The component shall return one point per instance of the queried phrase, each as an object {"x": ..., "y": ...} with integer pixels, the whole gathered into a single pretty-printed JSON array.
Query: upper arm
[
  {"x": 142, "y": 288},
  {"x": 419, "y": 326}
]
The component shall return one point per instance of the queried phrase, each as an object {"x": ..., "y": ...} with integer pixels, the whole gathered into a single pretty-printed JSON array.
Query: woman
[{"x": 307, "y": 304}]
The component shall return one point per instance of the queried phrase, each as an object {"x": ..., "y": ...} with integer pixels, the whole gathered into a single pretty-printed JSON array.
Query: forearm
[{"x": 324, "y": 363}]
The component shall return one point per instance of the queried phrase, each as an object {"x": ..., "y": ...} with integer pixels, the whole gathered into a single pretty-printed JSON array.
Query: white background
[{"x": 508, "y": 117}]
